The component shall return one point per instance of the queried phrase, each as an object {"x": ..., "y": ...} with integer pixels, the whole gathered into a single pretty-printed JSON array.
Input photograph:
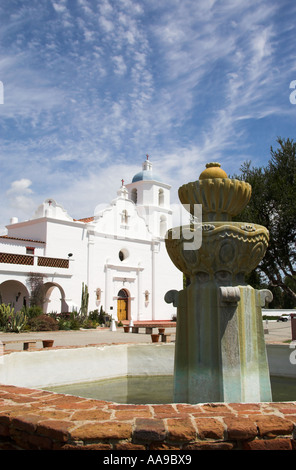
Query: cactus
[{"x": 84, "y": 300}]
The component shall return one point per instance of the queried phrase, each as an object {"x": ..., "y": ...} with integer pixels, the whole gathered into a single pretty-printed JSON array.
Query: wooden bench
[
  {"x": 28, "y": 344},
  {"x": 148, "y": 329},
  {"x": 150, "y": 325}
]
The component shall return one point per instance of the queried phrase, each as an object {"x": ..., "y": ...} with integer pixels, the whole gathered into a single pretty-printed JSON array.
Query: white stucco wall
[
  {"x": 64, "y": 366},
  {"x": 73, "y": 365}
]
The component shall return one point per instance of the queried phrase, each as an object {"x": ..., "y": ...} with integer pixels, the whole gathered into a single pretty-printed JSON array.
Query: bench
[
  {"x": 28, "y": 344},
  {"x": 149, "y": 326},
  {"x": 148, "y": 329}
]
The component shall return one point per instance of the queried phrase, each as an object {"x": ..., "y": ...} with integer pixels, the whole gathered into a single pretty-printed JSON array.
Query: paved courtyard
[
  {"x": 277, "y": 332},
  {"x": 82, "y": 337}
]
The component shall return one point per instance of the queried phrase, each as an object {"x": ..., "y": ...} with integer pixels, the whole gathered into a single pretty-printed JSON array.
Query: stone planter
[
  {"x": 155, "y": 338},
  {"x": 47, "y": 343}
]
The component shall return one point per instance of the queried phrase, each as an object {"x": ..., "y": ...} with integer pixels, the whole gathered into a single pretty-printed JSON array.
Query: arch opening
[
  {"x": 123, "y": 305},
  {"x": 14, "y": 293},
  {"x": 54, "y": 298}
]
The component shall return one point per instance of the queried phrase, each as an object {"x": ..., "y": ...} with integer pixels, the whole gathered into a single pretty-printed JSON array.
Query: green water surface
[{"x": 154, "y": 389}]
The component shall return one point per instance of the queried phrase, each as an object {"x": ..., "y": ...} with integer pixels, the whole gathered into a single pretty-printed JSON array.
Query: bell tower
[{"x": 152, "y": 199}]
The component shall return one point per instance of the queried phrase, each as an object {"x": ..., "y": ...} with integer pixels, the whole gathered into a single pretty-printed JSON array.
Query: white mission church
[{"x": 119, "y": 254}]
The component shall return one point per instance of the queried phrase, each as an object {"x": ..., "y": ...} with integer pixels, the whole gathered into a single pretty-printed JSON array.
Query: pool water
[{"x": 154, "y": 389}]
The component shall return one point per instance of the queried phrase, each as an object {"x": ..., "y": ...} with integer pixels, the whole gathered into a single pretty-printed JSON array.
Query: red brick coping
[{"x": 34, "y": 419}]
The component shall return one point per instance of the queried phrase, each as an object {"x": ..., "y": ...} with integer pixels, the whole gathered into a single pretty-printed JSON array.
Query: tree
[
  {"x": 36, "y": 288},
  {"x": 273, "y": 205}
]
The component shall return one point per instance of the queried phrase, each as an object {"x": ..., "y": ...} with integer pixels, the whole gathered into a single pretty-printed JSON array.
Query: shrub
[
  {"x": 63, "y": 323},
  {"x": 101, "y": 316},
  {"x": 43, "y": 323},
  {"x": 89, "y": 323},
  {"x": 76, "y": 320},
  {"x": 33, "y": 311},
  {"x": 94, "y": 315},
  {"x": 68, "y": 320}
]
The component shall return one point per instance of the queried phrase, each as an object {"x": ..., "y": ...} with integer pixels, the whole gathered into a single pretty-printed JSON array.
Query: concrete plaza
[{"x": 277, "y": 332}]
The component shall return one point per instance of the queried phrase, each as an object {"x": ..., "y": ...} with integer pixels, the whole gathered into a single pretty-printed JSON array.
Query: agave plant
[
  {"x": 11, "y": 320},
  {"x": 5, "y": 312},
  {"x": 17, "y": 321}
]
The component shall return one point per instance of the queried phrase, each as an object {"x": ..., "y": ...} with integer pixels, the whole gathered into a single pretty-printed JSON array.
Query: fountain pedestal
[{"x": 220, "y": 353}]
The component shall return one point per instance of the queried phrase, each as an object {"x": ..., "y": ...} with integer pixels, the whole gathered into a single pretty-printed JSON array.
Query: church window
[
  {"x": 123, "y": 294},
  {"x": 123, "y": 254},
  {"x": 160, "y": 197}
]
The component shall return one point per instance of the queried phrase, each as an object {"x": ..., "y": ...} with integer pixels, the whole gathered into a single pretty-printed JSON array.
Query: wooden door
[{"x": 122, "y": 309}]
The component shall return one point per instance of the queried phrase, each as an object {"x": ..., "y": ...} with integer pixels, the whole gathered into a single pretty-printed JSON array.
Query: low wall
[
  {"x": 59, "y": 366},
  {"x": 37, "y": 419},
  {"x": 282, "y": 359}
]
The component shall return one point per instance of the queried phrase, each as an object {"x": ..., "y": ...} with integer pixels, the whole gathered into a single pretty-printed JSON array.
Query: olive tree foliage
[{"x": 273, "y": 205}]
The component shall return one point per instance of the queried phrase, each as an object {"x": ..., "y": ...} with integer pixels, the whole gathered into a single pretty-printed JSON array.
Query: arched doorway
[
  {"x": 14, "y": 293},
  {"x": 54, "y": 298},
  {"x": 122, "y": 305}
]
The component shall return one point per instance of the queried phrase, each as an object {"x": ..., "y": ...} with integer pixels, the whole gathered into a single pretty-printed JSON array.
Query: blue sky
[{"x": 91, "y": 86}]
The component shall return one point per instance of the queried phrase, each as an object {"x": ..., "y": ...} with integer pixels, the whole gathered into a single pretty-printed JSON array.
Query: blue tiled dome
[{"x": 145, "y": 175}]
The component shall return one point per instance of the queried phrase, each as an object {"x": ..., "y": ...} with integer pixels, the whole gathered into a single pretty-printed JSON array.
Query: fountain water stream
[{"x": 220, "y": 353}]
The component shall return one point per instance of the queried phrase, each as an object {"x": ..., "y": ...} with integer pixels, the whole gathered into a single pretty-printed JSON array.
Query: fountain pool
[
  {"x": 154, "y": 389},
  {"x": 123, "y": 372}
]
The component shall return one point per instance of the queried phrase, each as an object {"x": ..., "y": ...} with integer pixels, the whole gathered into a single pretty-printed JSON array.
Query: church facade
[{"x": 119, "y": 254}]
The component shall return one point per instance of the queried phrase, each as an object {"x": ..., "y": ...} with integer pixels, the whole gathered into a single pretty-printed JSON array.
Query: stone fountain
[{"x": 220, "y": 353}]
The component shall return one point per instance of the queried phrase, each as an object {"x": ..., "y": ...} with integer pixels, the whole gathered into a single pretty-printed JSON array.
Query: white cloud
[
  {"x": 120, "y": 65},
  {"x": 19, "y": 196},
  {"x": 106, "y": 24},
  {"x": 59, "y": 7},
  {"x": 20, "y": 186}
]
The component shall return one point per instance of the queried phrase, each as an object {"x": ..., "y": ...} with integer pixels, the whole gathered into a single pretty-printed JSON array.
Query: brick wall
[{"x": 36, "y": 419}]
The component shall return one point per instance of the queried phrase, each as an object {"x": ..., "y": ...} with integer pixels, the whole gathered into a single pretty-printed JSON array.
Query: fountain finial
[
  {"x": 213, "y": 170},
  {"x": 221, "y": 197}
]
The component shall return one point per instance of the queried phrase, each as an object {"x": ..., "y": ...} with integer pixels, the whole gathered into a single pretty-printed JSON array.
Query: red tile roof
[
  {"x": 86, "y": 220},
  {"x": 21, "y": 239}
]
